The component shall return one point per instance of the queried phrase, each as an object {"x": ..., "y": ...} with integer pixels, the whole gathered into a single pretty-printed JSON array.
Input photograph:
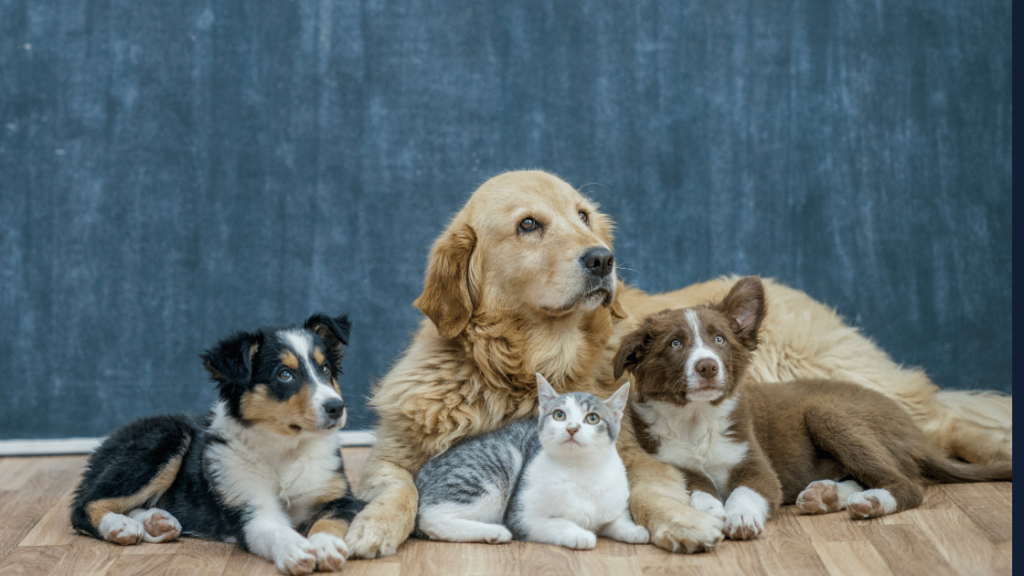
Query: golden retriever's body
[{"x": 506, "y": 300}]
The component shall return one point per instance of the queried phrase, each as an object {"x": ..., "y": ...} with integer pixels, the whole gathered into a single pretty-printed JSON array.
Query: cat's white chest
[
  {"x": 590, "y": 497},
  {"x": 695, "y": 437}
]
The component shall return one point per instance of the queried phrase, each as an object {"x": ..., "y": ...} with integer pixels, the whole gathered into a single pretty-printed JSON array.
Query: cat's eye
[
  {"x": 719, "y": 340},
  {"x": 676, "y": 344},
  {"x": 558, "y": 415},
  {"x": 593, "y": 418}
]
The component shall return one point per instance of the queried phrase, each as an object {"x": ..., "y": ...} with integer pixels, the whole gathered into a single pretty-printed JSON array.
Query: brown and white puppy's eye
[
  {"x": 529, "y": 225},
  {"x": 558, "y": 415},
  {"x": 719, "y": 340},
  {"x": 584, "y": 218},
  {"x": 677, "y": 344},
  {"x": 593, "y": 418}
]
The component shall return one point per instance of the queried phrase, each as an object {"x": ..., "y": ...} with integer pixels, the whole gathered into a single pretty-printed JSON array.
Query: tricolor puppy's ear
[
  {"x": 230, "y": 362},
  {"x": 633, "y": 348},
  {"x": 745, "y": 307},
  {"x": 545, "y": 393},
  {"x": 447, "y": 296},
  {"x": 334, "y": 330}
]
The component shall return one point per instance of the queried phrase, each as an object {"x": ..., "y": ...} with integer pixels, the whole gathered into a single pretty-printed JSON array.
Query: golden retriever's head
[{"x": 525, "y": 242}]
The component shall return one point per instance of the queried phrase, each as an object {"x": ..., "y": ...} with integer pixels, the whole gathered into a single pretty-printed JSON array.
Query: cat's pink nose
[{"x": 572, "y": 429}]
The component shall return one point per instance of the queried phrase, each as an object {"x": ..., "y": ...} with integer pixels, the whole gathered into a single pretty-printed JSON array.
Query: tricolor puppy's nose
[
  {"x": 598, "y": 261},
  {"x": 707, "y": 368},
  {"x": 334, "y": 408}
]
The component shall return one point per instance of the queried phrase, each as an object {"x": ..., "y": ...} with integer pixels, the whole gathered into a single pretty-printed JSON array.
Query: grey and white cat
[{"x": 558, "y": 480}]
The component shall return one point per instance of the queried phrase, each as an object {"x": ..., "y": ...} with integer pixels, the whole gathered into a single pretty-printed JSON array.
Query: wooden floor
[{"x": 960, "y": 529}]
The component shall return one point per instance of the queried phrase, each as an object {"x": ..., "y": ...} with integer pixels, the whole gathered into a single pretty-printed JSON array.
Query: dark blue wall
[{"x": 173, "y": 171}]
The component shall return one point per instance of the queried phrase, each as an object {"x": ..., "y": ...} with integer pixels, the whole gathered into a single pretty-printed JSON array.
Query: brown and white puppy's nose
[
  {"x": 598, "y": 261},
  {"x": 707, "y": 368}
]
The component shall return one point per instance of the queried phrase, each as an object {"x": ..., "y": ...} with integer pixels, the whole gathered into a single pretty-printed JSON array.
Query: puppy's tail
[{"x": 950, "y": 471}]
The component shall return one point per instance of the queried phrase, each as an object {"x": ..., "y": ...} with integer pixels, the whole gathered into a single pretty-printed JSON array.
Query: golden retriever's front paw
[
  {"x": 374, "y": 533},
  {"x": 692, "y": 532}
]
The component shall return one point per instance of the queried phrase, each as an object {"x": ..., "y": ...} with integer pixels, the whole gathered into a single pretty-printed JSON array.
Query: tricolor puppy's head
[
  {"x": 695, "y": 354},
  {"x": 284, "y": 380}
]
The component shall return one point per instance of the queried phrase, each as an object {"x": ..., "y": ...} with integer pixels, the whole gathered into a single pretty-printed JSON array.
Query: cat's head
[{"x": 578, "y": 422}]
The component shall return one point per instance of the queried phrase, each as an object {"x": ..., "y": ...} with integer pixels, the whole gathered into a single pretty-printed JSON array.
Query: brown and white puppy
[
  {"x": 758, "y": 446},
  {"x": 510, "y": 292}
]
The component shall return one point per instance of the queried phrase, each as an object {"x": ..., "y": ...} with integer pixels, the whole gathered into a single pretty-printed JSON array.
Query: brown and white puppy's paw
[
  {"x": 331, "y": 551},
  {"x": 870, "y": 504},
  {"x": 159, "y": 525},
  {"x": 689, "y": 532},
  {"x": 825, "y": 496},
  {"x": 745, "y": 514},
  {"x": 705, "y": 502},
  {"x": 120, "y": 529}
]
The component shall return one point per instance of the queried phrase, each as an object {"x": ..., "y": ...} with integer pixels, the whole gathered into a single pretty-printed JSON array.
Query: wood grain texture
[{"x": 960, "y": 529}]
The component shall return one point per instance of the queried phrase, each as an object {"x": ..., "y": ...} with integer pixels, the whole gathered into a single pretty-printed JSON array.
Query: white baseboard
[{"x": 71, "y": 446}]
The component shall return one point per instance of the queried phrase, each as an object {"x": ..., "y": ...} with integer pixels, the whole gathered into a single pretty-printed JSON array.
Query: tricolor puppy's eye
[
  {"x": 593, "y": 418},
  {"x": 285, "y": 375},
  {"x": 326, "y": 369},
  {"x": 584, "y": 218},
  {"x": 677, "y": 344},
  {"x": 719, "y": 340},
  {"x": 558, "y": 415}
]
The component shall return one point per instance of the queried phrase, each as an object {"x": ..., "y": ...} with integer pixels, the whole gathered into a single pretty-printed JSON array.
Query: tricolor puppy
[
  {"x": 814, "y": 443},
  {"x": 262, "y": 469}
]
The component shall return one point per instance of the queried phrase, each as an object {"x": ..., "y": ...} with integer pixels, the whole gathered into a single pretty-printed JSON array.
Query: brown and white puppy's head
[
  {"x": 695, "y": 354},
  {"x": 283, "y": 380},
  {"x": 525, "y": 242}
]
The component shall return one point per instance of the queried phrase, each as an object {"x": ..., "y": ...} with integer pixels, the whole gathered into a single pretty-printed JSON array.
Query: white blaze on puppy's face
[{"x": 697, "y": 385}]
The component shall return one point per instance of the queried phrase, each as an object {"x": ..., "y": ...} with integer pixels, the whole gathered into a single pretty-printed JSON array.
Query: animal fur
[{"x": 503, "y": 304}]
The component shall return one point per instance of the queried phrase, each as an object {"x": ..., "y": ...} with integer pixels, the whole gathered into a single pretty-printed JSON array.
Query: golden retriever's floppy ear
[
  {"x": 633, "y": 348},
  {"x": 446, "y": 297},
  {"x": 745, "y": 306}
]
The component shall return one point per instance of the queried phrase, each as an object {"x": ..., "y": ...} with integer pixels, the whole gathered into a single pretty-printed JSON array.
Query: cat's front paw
[
  {"x": 578, "y": 540},
  {"x": 635, "y": 535},
  {"x": 496, "y": 535}
]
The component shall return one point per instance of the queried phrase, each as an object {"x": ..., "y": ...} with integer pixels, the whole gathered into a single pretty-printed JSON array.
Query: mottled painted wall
[{"x": 173, "y": 171}]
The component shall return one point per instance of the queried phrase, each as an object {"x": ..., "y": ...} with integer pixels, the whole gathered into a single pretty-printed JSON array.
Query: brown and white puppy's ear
[
  {"x": 634, "y": 347},
  {"x": 546, "y": 394},
  {"x": 745, "y": 307},
  {"x": 447, "y": 297},
  {"x": 334, "y": 331}
]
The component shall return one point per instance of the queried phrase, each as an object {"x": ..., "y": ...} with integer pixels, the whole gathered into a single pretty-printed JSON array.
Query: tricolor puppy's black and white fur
[
  {"x": 814, "y": 443},
  {"x": 262, "y": 469}
]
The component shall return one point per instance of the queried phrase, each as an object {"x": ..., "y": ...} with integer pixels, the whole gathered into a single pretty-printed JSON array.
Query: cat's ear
[
  {"x": 545, "y": 393},
  {"x": 617, "y": 402}
]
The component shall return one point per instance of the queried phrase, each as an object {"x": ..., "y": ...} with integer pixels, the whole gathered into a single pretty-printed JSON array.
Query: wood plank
[
  {"x": 32, "y": 561},
  {"x": 852, "y": 559}
]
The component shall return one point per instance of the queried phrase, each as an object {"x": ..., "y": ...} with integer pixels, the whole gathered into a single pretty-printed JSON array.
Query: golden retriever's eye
[
  {"x": 528, "y": 225},
  {"x": 584, "y": 218},
  {"x": 719, "y": 340},
  {"x": 593, "y": 418},
  {"x": 558, "y": 415},
  {"x": 676, "y": 344},
  {"x": 285, "y": 376}
]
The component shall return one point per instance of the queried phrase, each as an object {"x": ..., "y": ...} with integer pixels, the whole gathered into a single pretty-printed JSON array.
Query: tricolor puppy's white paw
[
  {"x": 120, "y": 529},
  {"x": 159, "y": 524},
  {"x": 331, "y": 551},
  {"x": 294, "y": 555}
]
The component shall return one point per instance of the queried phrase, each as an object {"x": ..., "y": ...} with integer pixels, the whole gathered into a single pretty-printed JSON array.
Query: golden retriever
[{"x": 523, "y": 281}]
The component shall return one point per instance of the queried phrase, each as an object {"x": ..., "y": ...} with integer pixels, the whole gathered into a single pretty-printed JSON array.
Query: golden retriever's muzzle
[{"x": 599, "y": 264}]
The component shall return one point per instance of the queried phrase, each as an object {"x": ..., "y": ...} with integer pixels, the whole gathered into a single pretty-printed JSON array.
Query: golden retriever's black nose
[{"x": 598, "y": 261}]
